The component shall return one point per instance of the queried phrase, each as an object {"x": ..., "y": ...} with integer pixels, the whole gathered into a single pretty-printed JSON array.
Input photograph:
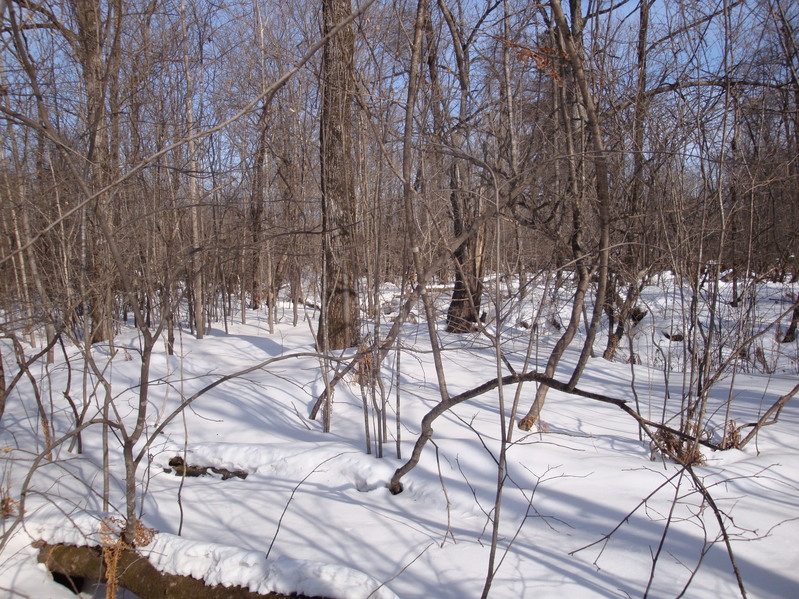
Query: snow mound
[
  {"x": 80, "y": 529},
  {"x": 337, "y": 460}
]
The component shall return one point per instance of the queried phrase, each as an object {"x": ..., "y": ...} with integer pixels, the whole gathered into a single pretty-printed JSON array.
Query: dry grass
[
  {"x": 112, "y": 537},
  {"x": 365, "y": 370},
  {"x": 9, "y": 507},
  {"x": 732, "y": 436},
  {"x": 685, "y": 451}
]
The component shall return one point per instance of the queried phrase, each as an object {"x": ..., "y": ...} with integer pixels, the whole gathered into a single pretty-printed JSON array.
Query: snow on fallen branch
[{"x": 210, "y": 571}]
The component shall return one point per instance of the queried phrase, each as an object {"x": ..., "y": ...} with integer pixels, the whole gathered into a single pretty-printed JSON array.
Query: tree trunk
[
  {"x": 256, "y": 213},
  {"x": 196, "y": 276},
  {"x": 339, "y": 321},
  {"x": 96, "y": 72},
  {"x": 464, "y": 309},
  {"x": 790, "y": 334},
  {"x": 3, "y": 388}
]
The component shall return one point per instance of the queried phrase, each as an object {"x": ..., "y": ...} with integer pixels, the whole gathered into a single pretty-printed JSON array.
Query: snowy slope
[{"x": 587, "y": 509}]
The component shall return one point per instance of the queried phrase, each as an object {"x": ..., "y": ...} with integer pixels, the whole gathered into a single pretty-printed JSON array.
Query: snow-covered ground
[{"x": 587, "y": 509}]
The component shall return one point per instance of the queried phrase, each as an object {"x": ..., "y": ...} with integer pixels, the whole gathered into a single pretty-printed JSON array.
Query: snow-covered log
[{"x": 139, "y": 576}]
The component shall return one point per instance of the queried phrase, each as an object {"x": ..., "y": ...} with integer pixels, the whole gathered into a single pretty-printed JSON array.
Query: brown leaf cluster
[{"x": 543, "y": 58}]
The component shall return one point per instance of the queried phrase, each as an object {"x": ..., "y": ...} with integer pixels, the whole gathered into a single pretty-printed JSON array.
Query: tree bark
[
  {"x": 256, "y": 213},
  {"x": 97, "y": 71},
  {"x": 464, "y": 309},
  {"x": 195, "y": 282},
  {"x": 790, "y": 334},
  {"x": 339, "y": 321}
]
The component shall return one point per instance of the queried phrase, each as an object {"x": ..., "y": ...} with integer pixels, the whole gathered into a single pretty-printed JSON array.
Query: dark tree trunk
[
  {"x": 464, "y": 309},
  {"x": 790, "y": 334},
  {"x": 338, "y": 324},
  {"x": 256, "y": 214}
]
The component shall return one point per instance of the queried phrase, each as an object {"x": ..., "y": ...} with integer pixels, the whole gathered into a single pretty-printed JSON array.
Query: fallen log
[
  {"x": 138, "y": 575},
  {"x": 183, "y": 469}
]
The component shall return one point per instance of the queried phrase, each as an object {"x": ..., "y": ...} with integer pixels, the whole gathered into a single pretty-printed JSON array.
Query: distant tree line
[{"x": 155, "y": 165}]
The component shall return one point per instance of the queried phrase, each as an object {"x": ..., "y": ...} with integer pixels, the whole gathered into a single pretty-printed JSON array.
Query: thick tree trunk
[
  {"x": 462, "y": 312},
  {"x": 196, "y": 281},
  {"x": 339, "y": 321},
  {"x": 137, "y": 575},
  {"x": 256, "y": 214},
  {"x": 464, "y": 309}
]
